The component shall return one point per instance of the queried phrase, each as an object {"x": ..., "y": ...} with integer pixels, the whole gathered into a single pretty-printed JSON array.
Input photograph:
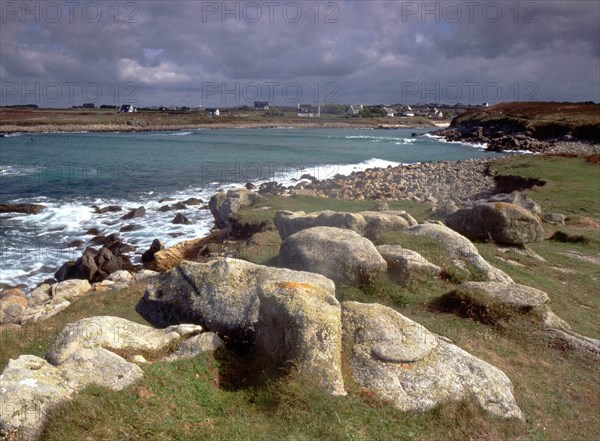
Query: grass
[{"x": 219, "y": 397}]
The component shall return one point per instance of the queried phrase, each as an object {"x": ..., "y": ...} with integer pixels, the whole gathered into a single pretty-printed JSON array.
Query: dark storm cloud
[{"x": 217, "y": 53}]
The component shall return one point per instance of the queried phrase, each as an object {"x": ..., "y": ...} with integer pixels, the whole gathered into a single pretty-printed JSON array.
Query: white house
[
  {"x": 127, "y": 108},
  {"x": 308, "y": 110},
  {"x": 389, "y": 111},
  {"x": 354, "y": 109},
  {"x": 213, "y": 111}
]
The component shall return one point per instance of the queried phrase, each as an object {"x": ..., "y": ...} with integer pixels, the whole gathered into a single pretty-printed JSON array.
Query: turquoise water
[{"x": 70, "y": 172}]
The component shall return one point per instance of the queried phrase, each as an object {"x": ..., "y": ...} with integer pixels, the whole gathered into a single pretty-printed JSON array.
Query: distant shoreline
[{"x": 113, "y": 128}]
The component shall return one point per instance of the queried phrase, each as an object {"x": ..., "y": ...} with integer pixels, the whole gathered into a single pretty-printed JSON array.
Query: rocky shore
[{"x": 557, "y": 128}]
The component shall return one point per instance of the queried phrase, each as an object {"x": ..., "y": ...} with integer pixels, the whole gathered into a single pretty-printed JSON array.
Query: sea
[{"x": 71, "y": 173}]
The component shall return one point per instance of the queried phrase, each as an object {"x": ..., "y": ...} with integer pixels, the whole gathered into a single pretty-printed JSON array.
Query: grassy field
[{"x": 219, "y": 397}]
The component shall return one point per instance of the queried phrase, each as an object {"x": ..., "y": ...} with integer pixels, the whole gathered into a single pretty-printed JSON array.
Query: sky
[{"x": 220, "y": 54}]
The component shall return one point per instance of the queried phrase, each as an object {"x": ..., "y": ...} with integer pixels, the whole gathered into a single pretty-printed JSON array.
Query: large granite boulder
[
  {"x": 299, "y": 327},
  {"x": 404, "y": 363},
  {"x": 222, "y": 205},
  {"x": 370, "y": 224},
  {"x": 460, "y": 249},
  {"x": 503, "y": 223},
  {"x": 221, "y": 295},
  {"x": 341, "y": 255},
  {"x": 404, "y": 262}
]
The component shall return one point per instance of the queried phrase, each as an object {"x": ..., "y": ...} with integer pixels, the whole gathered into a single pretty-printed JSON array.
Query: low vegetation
[{"x": 219, "y": 396}]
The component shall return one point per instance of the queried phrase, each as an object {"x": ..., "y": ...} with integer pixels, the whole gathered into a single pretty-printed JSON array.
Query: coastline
[{"x": 294, "y": 124}]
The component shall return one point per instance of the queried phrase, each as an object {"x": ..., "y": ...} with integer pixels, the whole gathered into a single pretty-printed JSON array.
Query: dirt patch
[{"x": 594, "y": 159}]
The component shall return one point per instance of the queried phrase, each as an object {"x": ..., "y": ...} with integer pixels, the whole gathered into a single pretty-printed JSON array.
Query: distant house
[
  {"x": 354, "y": 109},
  {"x": 485, "y": 105},
  {"x": 261, "y": 105},
  {"x": 212, "y": 111},
  {"x": 434, "y": 112},
  {"x": 389, "y": 111},
  {"x": 127, "y": 108},
  {"x": 308, "y": 110}
]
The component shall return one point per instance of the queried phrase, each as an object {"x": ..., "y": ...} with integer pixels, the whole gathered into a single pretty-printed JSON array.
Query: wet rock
[
  {"x": 130, "y": 227},
  {"x": 181, "y": 218},
  {"x": 156, "y": 246},
  {"x": 109, "y": 209},
  {"x": 22, "y": 208},
  {"x": 138, "y": 212}
]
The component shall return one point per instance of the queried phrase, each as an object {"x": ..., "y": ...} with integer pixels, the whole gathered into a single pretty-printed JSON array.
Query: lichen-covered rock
[
  {"x": 115, "y": 334},
  {"x": 401, "y": 361},
  {"x": 221, "y": 295},
  {"x": 99, "y": 366},
  {"x": 342, "y": 255},
  {"x": 503, "y": 223},
  {"x": 517, "y": 198},
  {"x": 403, "y": 262},
  {"x": 459, "y": 247},
  {"x": 299, "y": 327},
  {"x": 370, "y": 224},
  {"x": 29, "y": 388},
  {"x": 122, "y": 276}
]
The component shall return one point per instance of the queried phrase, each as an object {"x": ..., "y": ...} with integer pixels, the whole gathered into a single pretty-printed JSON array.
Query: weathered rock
[
  {"x": 180, "y": 218},
  {"x": 196, "y": 345},
  {"x": 12, "y": 307},
  {"x": 115, "y": 334},
  {"x": 517, "y": 198},
  {"x": 21, "y": 208},
  {"x": 555, "y": 218},
  {"x": 137, "y": 212},
  {"x": 403, "y": 262},
  {"x": 120, "y": 277},
  {"x": 43, "y": 311},
  {"x": 70, "y": 289},
  {"x": 459, "y": 247},
  {"x": 401, "y": 361},
  {"x": 99, "y": 366},
  {"x": 503, "y": 223},
  {"x": 341, "y": 255},
  {"x": 169, "y": 258},
  {"x": 221, "y": 295},
  {"x": 299, "y": 327},
  {"x": 371, "y": 224},
  {"x": 95, "y": 265},
  {"x": 30, "y": 388},
  {"x": 222, "y": 205}
]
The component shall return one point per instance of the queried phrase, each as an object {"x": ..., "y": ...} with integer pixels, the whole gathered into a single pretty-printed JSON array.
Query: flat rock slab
[
  {"x": 510, "y": 294},
  {"x": 401, "y": 361},
  {"x": 115, "y": 334},
  {"x": 370, "y": 224}
]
